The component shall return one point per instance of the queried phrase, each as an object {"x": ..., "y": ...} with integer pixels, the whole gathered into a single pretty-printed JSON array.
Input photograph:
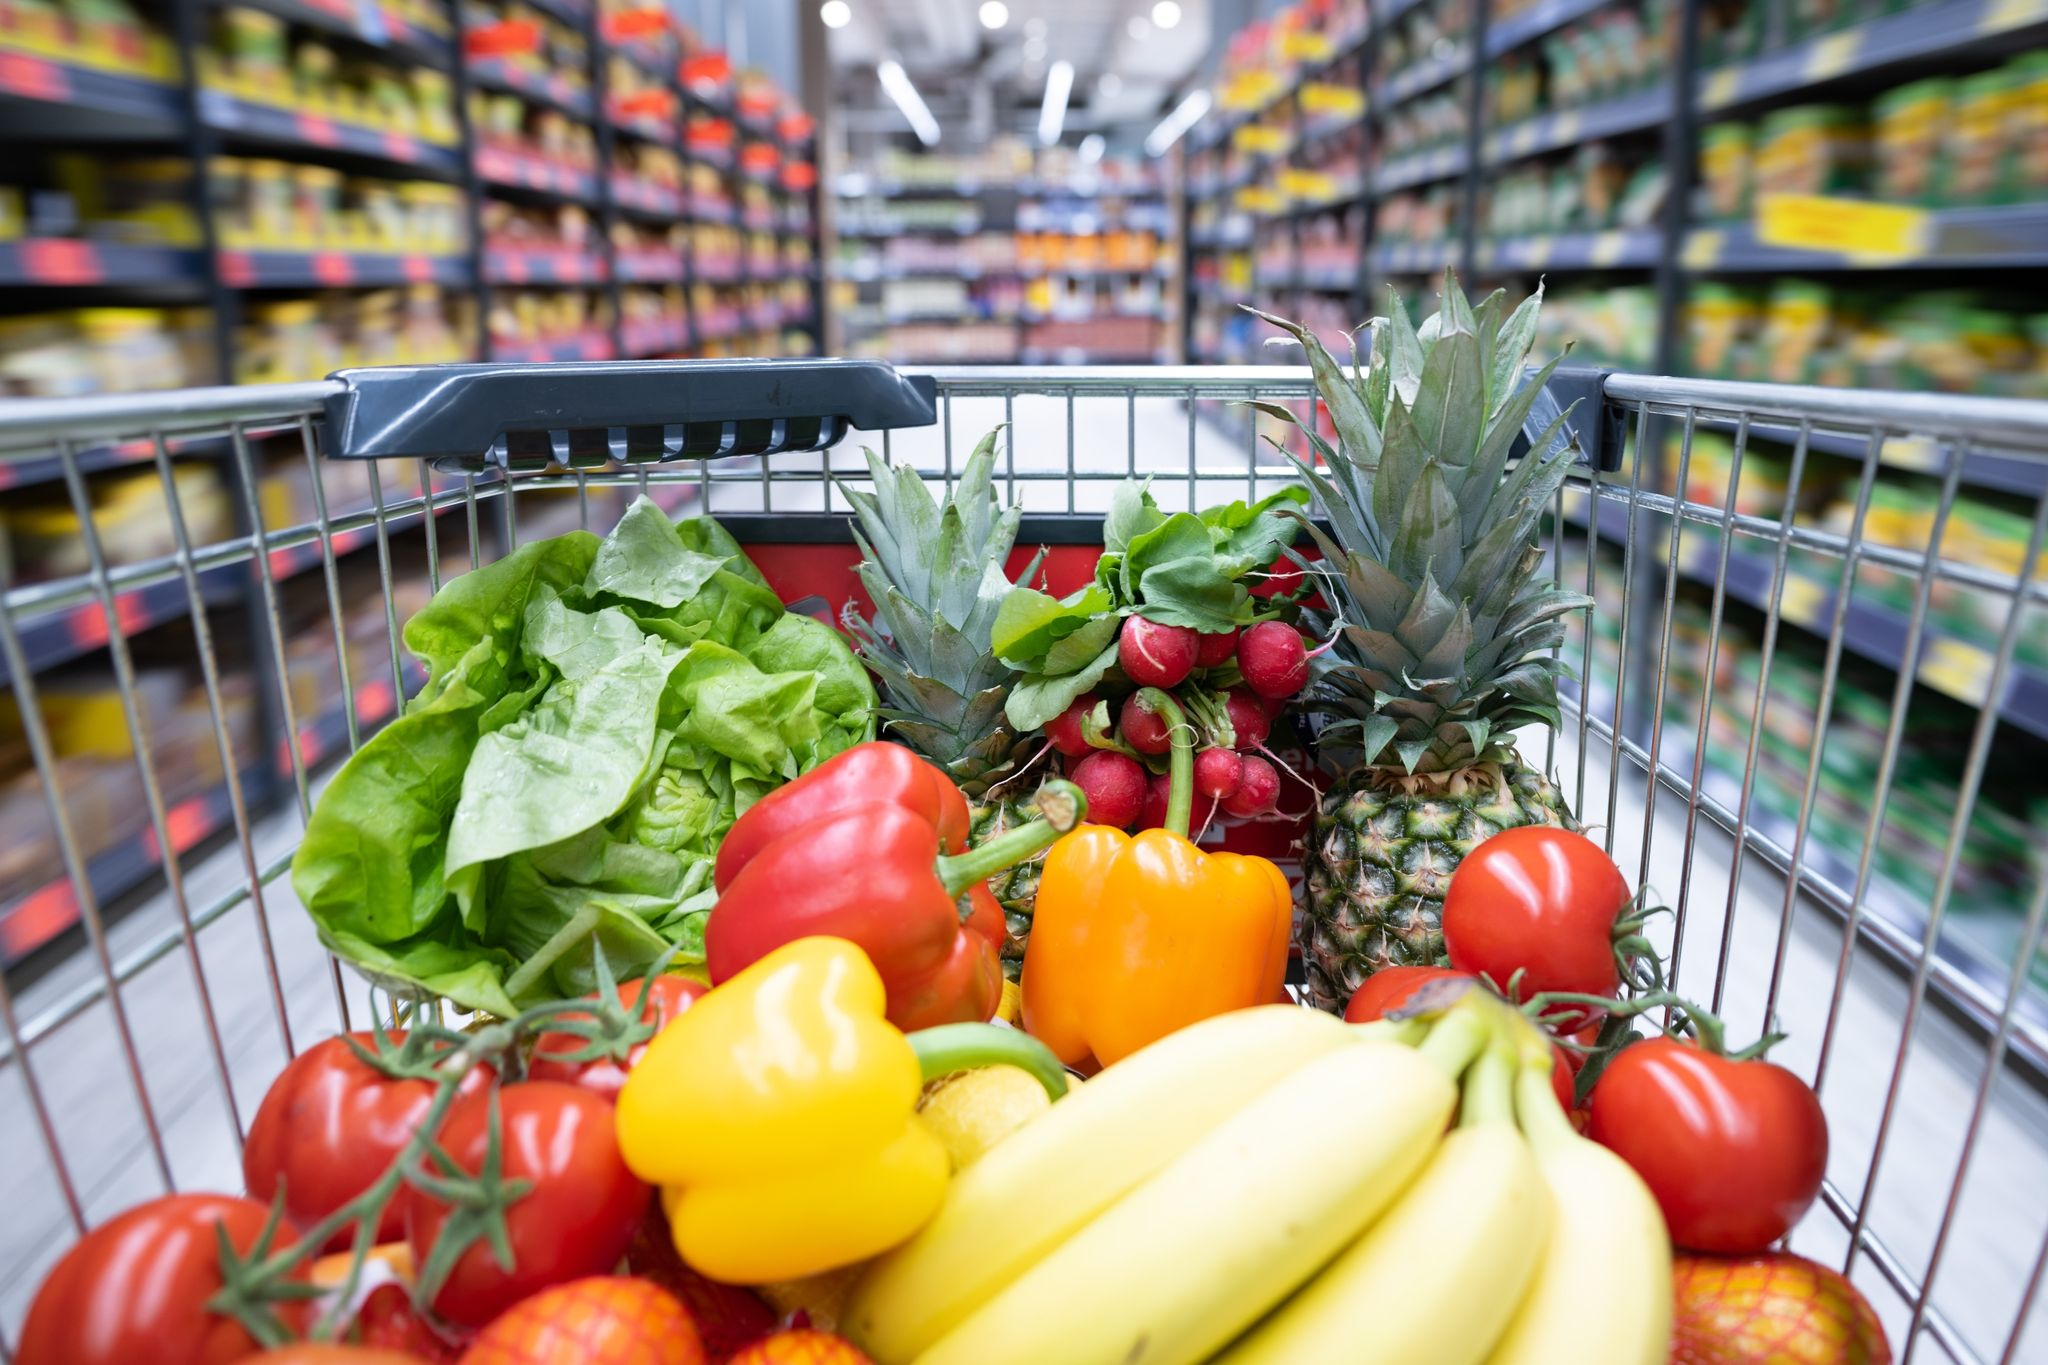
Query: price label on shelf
[
  {"x": 60, "y": 260},
  {"x": 1960, "y": 669},
  {"x": 1254, "y": 140},
  {"x": 1721, "y": 87},
  {"x": 1300, "y": 45},
  {"x": 2001, "y": 15},
  {"x": 319, "y": 130},
  {"x": 1849, "y": 227},
  {"x": 417, "y": 269},
  {"x": 333, "y": 268},
  {"x": 1800, "y": 600},
  {"x": 1326, "y": 100},
  {"x": 399, "y": 147},
  {"x": 1607, "y": 248},
  {"x": 237, "y": 270},
  {"x": 1833, "y": 54},
  {"x": 1702, "y": 250},
  {"x": 32, "y": 77}
]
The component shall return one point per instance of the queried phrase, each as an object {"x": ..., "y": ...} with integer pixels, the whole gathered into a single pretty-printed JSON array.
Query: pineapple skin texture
[
  {"x": 1379, "y": 859},
  {"x": 1015, "y": 888}
]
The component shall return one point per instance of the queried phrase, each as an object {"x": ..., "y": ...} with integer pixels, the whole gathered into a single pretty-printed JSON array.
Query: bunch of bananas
[{"x": 1274, "y": 1185}]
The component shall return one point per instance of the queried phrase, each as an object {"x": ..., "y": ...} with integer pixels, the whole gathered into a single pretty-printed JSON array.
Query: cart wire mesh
[{"x": 1814, "y": 800}]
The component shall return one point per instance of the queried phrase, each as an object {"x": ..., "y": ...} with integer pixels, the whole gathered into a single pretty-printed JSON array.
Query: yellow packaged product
[
  {"x": 1911, "y": 123},
  {"x": 1974, "y": 150},
  {"x": 1811, "y": 149}
]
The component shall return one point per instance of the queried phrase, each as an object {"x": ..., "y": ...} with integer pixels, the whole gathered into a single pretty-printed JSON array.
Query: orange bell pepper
[{"x": 1136, "y": 937}]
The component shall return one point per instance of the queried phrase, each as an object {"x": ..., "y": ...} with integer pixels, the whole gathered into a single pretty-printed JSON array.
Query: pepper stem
[
  {"x": 949, "y": 1048},
  {"x": 1061, "y": 806},
  {"x": 1180, "y": 775}
]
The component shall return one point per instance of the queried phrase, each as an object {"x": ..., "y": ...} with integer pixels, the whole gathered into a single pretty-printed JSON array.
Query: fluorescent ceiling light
[
  {"x": 1175, "y": 125},
  {"x": 1166, "y": 13},
  {"x": 994, "y": 14},
  {"x": 1092, "y": 148},
  {"x": 898, "y": 85},
  {"x": 836, "y": 13},
  {"x": 1052, "y": 115}
]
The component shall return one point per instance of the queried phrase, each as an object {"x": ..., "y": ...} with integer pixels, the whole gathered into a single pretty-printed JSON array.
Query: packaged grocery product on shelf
[
  {"x": 83, "y": 351},
  {"x": 105, "y": 35},
  {"x": 1603, "y": 185},
  {"x": 1428, "y": 32},
  {"x": 129, "y": 512},
  {"x": 260, "y": 204},
  {"x": 118, "y": 200},
  {"x": 509, "y": 227},
  {"x": 1610, "y": 326},
  {"x": 566, "y": 324},
  {"x": 258, "y": 57},
  {"x": 1803, "y": 331},
  {"x": 526, "y": 48},
  {"x": 295, "y": 339}
]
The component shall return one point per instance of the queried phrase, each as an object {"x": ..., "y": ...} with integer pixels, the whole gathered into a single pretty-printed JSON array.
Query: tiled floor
[{"x": 2001, "y": 1215}]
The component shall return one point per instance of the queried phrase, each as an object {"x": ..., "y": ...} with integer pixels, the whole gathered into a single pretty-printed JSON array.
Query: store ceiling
[{"x": 949, "y": 53}]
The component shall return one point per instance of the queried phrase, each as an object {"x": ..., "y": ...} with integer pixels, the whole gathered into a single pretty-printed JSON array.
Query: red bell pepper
[{"x": 871, "y": 847}]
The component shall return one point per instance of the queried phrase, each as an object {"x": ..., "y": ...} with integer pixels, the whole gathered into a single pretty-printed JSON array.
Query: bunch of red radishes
[{"x": 1232, "y": 686}]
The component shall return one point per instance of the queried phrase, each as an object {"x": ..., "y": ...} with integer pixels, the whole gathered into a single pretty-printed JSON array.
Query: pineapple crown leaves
[
  {"x": 935, "y": 574},
  {"x": 1444, "y": 630}
]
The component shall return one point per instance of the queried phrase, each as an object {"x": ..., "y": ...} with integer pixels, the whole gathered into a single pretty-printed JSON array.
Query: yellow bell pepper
[{"x": 778, "y": 1114}]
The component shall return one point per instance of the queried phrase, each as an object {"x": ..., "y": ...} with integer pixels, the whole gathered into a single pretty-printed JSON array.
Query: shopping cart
[{"x": 134, "y": 1063}]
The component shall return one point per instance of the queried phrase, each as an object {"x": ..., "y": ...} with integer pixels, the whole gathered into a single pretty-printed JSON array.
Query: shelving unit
[
  {"x": 1275, "y": 225},
  {"x": 979, "y": 263},
  {"x": 643, "y": 240}
]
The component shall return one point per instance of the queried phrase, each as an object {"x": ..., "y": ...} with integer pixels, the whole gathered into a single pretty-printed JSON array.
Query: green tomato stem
[{"x": 949, "y": 1048}]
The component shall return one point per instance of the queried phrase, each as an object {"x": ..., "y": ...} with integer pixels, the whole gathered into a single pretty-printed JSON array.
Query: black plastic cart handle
[{"x": 590, "y": 413}]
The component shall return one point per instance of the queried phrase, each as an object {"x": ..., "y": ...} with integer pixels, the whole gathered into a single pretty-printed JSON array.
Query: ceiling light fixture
[
  {"x": 836, "y": 13},
  {"x": 898, "y": 86},
  {"x": 1052, "y": 115},
  {"x": 1140, "y": 28},
  {"x": 1175, "y": 125},
  {"x": 1034, "y": 49},
  {"x": 1034, "y": 27},
  {"x": 1092, "y": 148},
  {"x": 994, "y": 14},
  {"x": 1166, "y": 14},
  {"x": 1110, "y": 85}
]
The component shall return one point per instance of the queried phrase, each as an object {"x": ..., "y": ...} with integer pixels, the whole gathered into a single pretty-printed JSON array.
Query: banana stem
[
  {"x": 1543, "y": 1121},
  {"x": 1489, "y": 1088},
  {"x": 1456, "y": 1040},
  {"x": 1407, "y": 1032}
]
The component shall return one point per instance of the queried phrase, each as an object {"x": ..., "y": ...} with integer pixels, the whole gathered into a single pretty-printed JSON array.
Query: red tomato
[
  {"x": 1737, "y": 1310},
  {"x": 727, "y": 1316},
  {"x": 1734, "y": 1151},
  {"x": 387, "y": 1321},
  {"x": 803, "y": 1346},
  {"x": 1540, "y": 901},
  {"x": 135, "y": 1288},
  {"x": 575, "y": 1221},
  {"x": 1389, "y": 988},
  {"x": 602, "y": 1320},
  {"x": 329, "y": 1126},
  {"x": 666, "y": 996}
]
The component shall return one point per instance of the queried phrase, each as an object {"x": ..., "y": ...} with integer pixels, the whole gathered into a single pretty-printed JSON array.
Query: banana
[
  {"x": 1436, "y": 1279},
  {"x": 1603, "y": 1294},
  {"x": 1187, "y": 1260},
  {"x": 1033, "y": 1190}
]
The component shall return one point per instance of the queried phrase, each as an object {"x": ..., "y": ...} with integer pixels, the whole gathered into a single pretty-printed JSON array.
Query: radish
[
  {"x": 1259, "y": 792},
  {"x": 1153, "y": 655},
  {"x": 1114, "y": 784},
  {"x": 1216, "y": 649},
  {"x": 1248, "y": 717},
  {"x": 1273, "y": 659},
  {"x": 1156, "y": 793},
  {"x": 1281, "y": 579},
  {"x": 1143, "y": 730},
  {"x": 1218, "y": 772},
  {"x": 1064, "y": 729}
]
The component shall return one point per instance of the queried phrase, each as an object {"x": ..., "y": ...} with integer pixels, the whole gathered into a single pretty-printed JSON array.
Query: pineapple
[
  {"x": 1446, "y": 629},
  {"x": 936, "y": 577}
]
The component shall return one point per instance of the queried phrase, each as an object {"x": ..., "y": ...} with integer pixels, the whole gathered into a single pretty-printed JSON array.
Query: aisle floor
[{"x": 87, "y": 1089}]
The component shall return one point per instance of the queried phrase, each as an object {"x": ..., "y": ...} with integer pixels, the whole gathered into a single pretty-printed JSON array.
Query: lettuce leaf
[{"x": 597, "y": 713}]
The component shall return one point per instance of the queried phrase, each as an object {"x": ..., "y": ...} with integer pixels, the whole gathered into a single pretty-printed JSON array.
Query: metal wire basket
[{"x": 159, "y": 972}]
